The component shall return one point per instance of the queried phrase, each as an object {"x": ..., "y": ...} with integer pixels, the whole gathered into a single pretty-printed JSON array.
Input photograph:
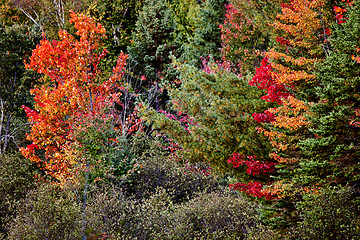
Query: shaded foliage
[
  {"x": 16, "y": 178},
  {"x": 206, "y": 38},
  {"x": 16, "y": 43}
]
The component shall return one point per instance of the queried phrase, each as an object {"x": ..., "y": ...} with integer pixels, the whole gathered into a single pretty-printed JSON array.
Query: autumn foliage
[
  {"x": 288, "y": 67},
  {"x": 288, "y": 76},
  {"x": 262, "y": 94},
  {"x": 71, "y": 90}
]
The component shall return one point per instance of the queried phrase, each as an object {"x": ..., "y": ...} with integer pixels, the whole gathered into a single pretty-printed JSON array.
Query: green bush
[
  {"x": 163, "y": 199},
  {"x": 331, "y": 214},
  {"x": 51, "y": 213},
  {"x": 46, "y": 213},
  {"x": 156, "y": 169},
  {"x": 208, "y": 216},
  {"x": 153, "y": 217},
  {"x": 217, "y": 216},
  {"x": 16, "y": 178},
  {"x": 109, "y": 214},
  {"x": 182, "y": 183}
]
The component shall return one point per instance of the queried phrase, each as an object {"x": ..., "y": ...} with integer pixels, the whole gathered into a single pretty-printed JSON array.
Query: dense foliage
[
  {"x": 16, "y": 43},
  {"x": 206, "y": 119}
]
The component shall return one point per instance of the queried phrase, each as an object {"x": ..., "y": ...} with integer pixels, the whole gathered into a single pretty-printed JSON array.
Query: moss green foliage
[
  {"x": 109, "y": 214},
  {"x": 219, "y": 104},
  {"x": 209, "y": 216},
  {"x": 119, "y": 18},
  {"x": 206, "y": 38},
  {"x": 16, "y": 178},
  {"x": 330, "y": 213},
  {"x": 333, "y": 213},
  {"x": 332, "y": 152},
  {"x": 149, "y": 204},
  {"x": 46, "y": 213},
  {"x": 16, "y": 43},
  {"x": 185, "y": 14}
]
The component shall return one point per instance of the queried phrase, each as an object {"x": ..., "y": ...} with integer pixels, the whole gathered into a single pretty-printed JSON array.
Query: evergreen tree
[
  {"x": 153, "y": 39},
  {"x": 206, "y": 40},
  {"x": 152, "y": 48},
  {"x": 119, "y": 18},
  {"x": 212, "y": 117},
  {"x": 15, "y": 43},
  {"x": 315, "y": 131},
  {"x": 332, "y": 152},
  {"x": 185, "y": 13}
]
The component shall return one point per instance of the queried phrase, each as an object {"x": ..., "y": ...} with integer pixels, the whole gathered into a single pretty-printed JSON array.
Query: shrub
[
  {"x": 46, "y": 213},
  {"x": 333, "y": 213},
  {"x": 16, "y": 178},
  {"x": 163, "y": 199},
  {"x": 153, "y": 217},
  {"x": 208, "y": 216},
  {"x": 109, "y": 214},
  {"x": 156, "y": 169},
  {"x": 217, "y": 216}
]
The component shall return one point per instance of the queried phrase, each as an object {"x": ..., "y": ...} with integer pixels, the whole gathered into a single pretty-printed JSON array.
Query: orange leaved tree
[
  {"x": 287, "y": 75},
  {"x": 71, "y": 93}
]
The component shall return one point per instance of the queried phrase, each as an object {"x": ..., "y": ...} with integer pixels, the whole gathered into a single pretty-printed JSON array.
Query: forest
[{"x": 180, "y": 119}]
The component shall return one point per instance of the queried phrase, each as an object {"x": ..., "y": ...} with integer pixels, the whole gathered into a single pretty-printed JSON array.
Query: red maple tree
[{"x": 71, "y": 90}]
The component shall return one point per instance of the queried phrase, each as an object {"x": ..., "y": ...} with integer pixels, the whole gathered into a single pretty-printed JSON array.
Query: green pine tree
[
  {"x": 185, "y": 13},
  {"x": 214, "y": 108},
  {"x": 153, "y": 39},
  {"x": 152, "y": 50},
  {"x": 332, "y": 153},
  {"x": 206, "y": 40}
]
